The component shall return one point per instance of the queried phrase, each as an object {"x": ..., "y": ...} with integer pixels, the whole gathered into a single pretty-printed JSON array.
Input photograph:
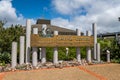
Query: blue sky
[
  {"x": 37, "y": 9},
  {"x": 69, "y": 14},
  {"x": 34, "y": 8}
]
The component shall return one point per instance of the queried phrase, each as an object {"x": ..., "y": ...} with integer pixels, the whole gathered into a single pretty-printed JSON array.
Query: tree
[
  {"x": 2, "y": 23},
  {"x": 8, "y": 35},
  {"x": 113, "y": 46}
]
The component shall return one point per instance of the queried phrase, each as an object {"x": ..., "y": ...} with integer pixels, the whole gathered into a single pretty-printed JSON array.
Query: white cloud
[
  {"x": 8, "y": 12},
  {"x": 68, "y": 6},
  {"x": 62, "y": 23},
  {"x": 104, "y": 12}
]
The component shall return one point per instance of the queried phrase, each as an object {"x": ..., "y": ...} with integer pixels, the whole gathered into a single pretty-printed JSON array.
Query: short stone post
[
  {"x": 43, "y": 55},
  {"x": 40, "y": 53},
  {"x": 98, "y": 52},
  {"x": 95, "y": 39},
  {"x": 34, "y": 56},
  {"x": 28, "y": 32},
  {"x": 22, "y": 43},
  {"x": 35, "y": 50},
  {"x": 108, "y": 56},
  {"x": 14, "y": 55},
  {"x": 55, "y": 54},
  {"x": 88, "y": 49},
  {"x": 78, "y": 55},
  {"x": 67, "y": 50}
]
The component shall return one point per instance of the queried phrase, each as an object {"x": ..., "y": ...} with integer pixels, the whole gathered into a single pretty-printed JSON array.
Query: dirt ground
[
  {"x": 94, "y": 72},
  {"x": 109, "y": 71}
]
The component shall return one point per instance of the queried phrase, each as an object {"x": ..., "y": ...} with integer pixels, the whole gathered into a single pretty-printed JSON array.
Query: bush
[
  {"x": 5, "y": 58},
  {"x": 83, "y": 52},
  {"x": 62, "y": 53},
  {"x": 115, "y": 60},
  {"x": 71, "y": 53},
  {"x": 49, "y": 54},
  {"x": 104, "y": 56}
]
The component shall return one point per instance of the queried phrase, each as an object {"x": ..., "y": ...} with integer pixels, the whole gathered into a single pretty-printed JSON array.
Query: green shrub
[
  {"x": 49, "y": 54},
  {"x": 104, "y": 57},
  {"x": 71, "y": 53},
  {"x": 5, "y": 58},
  {"x": 62, "y": 53},
  {"x": 115, "y": 60},
  {"x": 83, "y": 52}
]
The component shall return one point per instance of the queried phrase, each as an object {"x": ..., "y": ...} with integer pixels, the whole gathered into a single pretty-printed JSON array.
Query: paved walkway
[
  {"x": 94, "y": 72},
  {"x": 109, "y": 71}
]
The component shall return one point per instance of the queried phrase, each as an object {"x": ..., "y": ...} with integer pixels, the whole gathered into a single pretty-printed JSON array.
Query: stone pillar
[
  {"x": 28, "y": 33},
  {"x": 35, "y": 50},
  {"x": 34, "y": 56},
  {"x": 88, "y": 49},
  {"x": 40, "y": 53},
  {"x": 35, "y": 30},
  {"x": 14, "y": 55},
  {"x": 95, "y": 39},
  {"x": 43, "y": 55},
  {"x": 78, "y": 55},
  {"x": 55, "y": 54},
  {"x": 22, "y": 43},
  {"x": 98, "y": 52},
  {"x": 108, "y": 56}
]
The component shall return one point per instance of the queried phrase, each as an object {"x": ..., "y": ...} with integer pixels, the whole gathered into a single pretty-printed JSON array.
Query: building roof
[
  {"x": 108, "y": 34},
  {"x": 52, "y": 28},
  {"x": 43, "y": 21}
]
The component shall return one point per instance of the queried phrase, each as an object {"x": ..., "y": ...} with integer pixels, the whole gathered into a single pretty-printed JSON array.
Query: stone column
[
  {"x": 78, "y": 55},
  {"x": 28, "y": 33},
  {"x": 22, "y": 43},
  {"x": 95, "y": 39},
  {"x": 14, "y": 55},
  {"x": 88, "y": 49},
  {"x": 55, "y": 54},
  {"x": 98, "y": 52},
  {"x": 40, "y": 53},
  {"x": 35, "y": 50},
  {"x": 34, "y": 56},
  {"x": 108, "y": 56},
  {"x": 43, "y": 55},
  {"x": 35, "y": 30}
]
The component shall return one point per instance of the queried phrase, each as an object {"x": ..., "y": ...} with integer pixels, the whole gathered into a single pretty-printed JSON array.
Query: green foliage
[
  {"x": 61, "y": 53},
  {"x": 115, "y": 50},
  {"x": 8, "y": 35},
  {"x": 5, "y": 58},
  {"x": 83, "y": 52},
  {"x": 113, "y": 46},
  {"x": 105, "y": 43},
  {"x": 2, "y": 64},
  {"x": 115, "y": 60},
  {"x": 49, "y": 54},
  {"x": 72, "y": 53}
]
